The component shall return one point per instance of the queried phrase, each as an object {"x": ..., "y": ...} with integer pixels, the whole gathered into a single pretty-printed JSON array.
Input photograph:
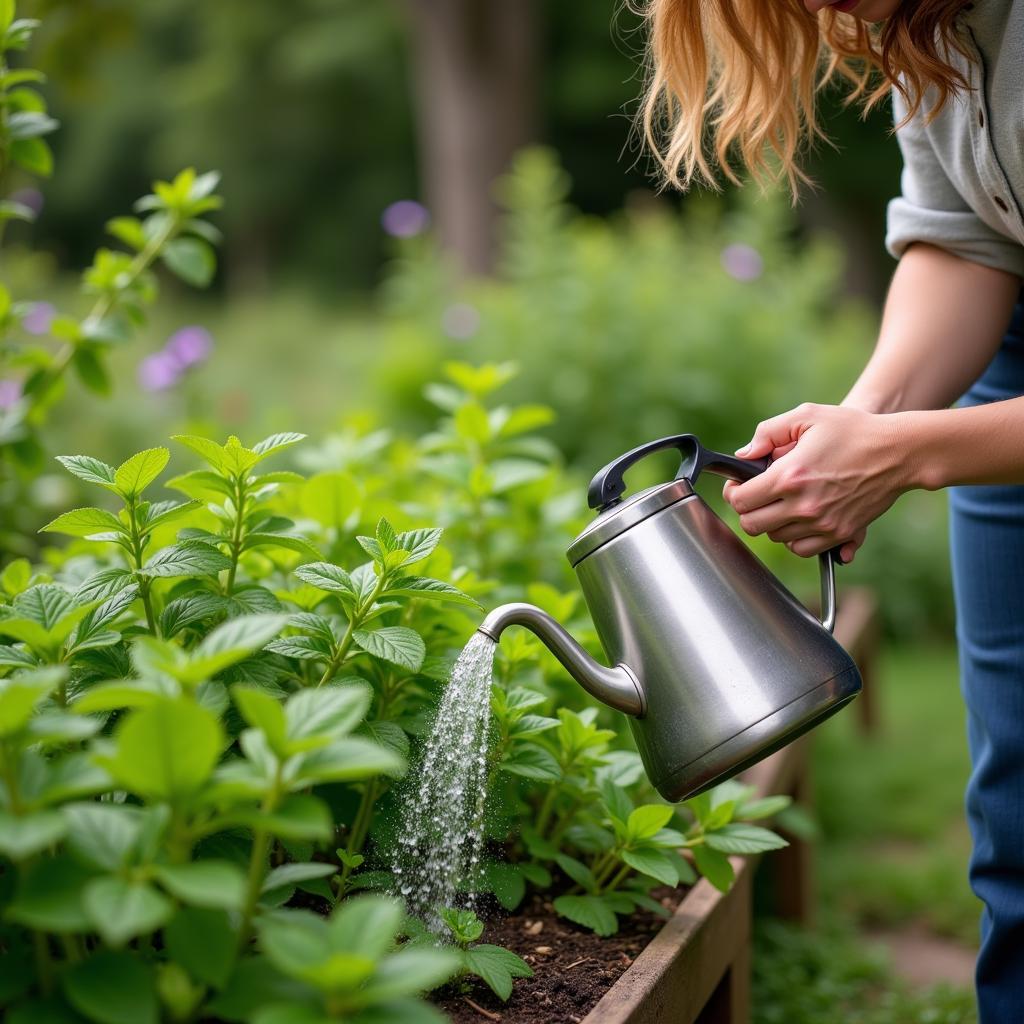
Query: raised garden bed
[{"x": 693, "y": 968}]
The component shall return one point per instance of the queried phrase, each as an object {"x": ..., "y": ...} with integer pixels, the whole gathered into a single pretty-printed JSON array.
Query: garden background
[{"x": 408, "y": 185}]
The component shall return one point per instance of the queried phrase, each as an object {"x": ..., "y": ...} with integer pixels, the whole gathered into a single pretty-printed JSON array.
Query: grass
[{"x": 893, "y": 853}]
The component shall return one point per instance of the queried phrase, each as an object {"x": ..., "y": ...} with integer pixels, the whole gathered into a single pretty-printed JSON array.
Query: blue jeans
[{"x": 987, "y": 547}]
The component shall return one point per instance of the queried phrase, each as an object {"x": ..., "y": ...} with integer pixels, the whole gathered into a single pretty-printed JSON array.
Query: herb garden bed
[{"x": 692, "y": 969}]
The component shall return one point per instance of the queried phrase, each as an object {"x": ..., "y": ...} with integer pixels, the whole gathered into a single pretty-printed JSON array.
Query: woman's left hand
[{"x": 836, "y": 470}]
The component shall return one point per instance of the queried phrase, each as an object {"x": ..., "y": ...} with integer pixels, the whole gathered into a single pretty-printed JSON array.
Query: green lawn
[{"x": 892, "y": 853}]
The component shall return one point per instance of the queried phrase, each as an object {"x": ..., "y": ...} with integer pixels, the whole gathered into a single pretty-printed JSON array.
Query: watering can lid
[{"x": 620, "y": 516}]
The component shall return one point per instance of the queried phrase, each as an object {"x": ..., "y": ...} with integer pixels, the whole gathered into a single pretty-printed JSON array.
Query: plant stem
[
  {"x": 237, "y": 533},
  {"x": 605, "y": 866},
  {"x": 44, "y": 962},
  {"x": 360, "y": 828},
  {"x": 545, "y": 810},
  {"x": 144, "y": 583},
  {"x": 619, "y": 878},
  {"x": 257, "y": 864},
  {"x": 359, "y": 613}
]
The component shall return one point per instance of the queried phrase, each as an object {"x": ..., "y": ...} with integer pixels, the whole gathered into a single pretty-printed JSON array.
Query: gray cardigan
[{"x": 963, "y": 175}]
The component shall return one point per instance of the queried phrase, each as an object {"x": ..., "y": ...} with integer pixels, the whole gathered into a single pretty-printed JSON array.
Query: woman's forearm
[
  {"x": 978, "y": 444},
  {"x": 943, "y": 321}
]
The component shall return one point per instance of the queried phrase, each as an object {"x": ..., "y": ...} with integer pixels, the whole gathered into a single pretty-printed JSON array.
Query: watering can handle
[{"x": 607, "y": 487}]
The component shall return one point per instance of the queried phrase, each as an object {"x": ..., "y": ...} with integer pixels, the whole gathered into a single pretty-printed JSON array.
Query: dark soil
[{"x": 572, "y": 967}]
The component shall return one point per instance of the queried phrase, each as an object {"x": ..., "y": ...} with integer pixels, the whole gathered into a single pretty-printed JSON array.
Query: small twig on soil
[
  {"x": 576, "y": 963},
  {"x": 480, "y": 1009}
]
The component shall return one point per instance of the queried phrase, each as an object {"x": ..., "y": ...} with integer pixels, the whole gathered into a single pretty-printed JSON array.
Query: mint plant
[{"x": 494, "y": 965}]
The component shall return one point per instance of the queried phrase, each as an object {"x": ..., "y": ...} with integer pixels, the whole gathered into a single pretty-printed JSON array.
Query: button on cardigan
[{"x": 963, "y": 175}]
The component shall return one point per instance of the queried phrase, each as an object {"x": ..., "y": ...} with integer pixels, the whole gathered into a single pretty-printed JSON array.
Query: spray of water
[{"x": 438, "y": 859}]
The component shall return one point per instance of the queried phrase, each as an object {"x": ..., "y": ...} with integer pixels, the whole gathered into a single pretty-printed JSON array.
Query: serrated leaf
[
  {"x": 208, "y": 450},
  {"x": 103, "y": 584},
  {"x": 189, "y": 558},
  {"x": 419, "y": 543},
  {"x": 398, "y": 645},
  {"x": 653, "y": 863},
  {"x": 134, "y": 475},
  {"x": 84, "y": 522},
  {"x": 276, "y": 442},
  {"x": 89, "y": 469},
  {"x": 745, "y": 839},
  {"x": 532, "y": 762},
  {"x": 327, "y": 577},
  {"x": 186, "y": 611},
  {"x": 306, "y": 648},
  {"x": 424, "y": 587},
  {"x": 589, "y": 911}
]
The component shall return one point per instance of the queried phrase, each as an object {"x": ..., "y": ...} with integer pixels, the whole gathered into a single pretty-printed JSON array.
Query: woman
[{"x": 735, "y": 80}]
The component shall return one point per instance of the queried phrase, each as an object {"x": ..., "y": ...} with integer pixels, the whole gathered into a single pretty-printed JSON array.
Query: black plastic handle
[{"x": 607, "y": 486}]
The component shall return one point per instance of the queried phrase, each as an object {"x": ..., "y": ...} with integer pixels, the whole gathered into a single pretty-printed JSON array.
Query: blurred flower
[
  {"x": 742, "y": 262},
  {"x": 10, "y": 392},
  {"x": 405, "y": 218},
  {"x": 460, "y": 321},
  {"x": 30, "y": 197},
  {"x": 38, "y": 319},
  {"x": 158, "y": 372},
  {"x": 189, "y": 346}
]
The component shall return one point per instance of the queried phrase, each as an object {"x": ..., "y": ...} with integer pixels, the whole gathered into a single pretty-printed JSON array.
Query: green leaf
[
  {"x": 210, "y": 451},
  {"x": 89, "y": 469},
  {"x": 615, "y": 799},
  {"x": 49, "y": 896},
  {"x": 22, "y": 836},
  {"x": 299, "y": 817},
  {"x": 277, "y": 442},
  {"x": 233, "y": 640},
  {"x": 191, "y": 259},
  {"x": 32, "y": 155},
  {"x": 216, "y": 884},
  {"x": 348, "y": 759},
  {"x": 128, "y": 230},
  {"x": 532, "y": 762},
  {"x": 424, "y": 587},
  {"x": 326, "y": 576},
  {"x": 365, "y": 924},
  {"x": 20, "y": 694},
  {"x": 204, "y": 943},
  {"x": 497, "y": 967},
  {"x": 654, "y": 863},
  {"x": 263, "y": 712},
  {"x": 419, "y": 543},
  {"x": 714, "y": 866},
  {"x": 411, "y": 971},
  {"x": 91, "y": 370},
  {"x": 331, "y": 712},
  {"x": 767, "y": 807},
  {"x": 112, "y": 987},
  {"x": 589, "y": 911},
  {"x": 306, "y": 648},
  {"x": 186, "y": 611},
  {"x": 167, "y": 750},
  {"x": 189, "y": 558},
  {"x": 398, "y": 645},
  {"x": 646, "y": 821},
  {"x": 103, "y": 584},
  {"x": 85, "y": 522},
  {"x": 746, "y": 839},
  {"x": 577, "y": 871},
  {"x": 120, "y": 910},
  {"x": 134, "y": 475},
  {"x": 102, "y": 834},
  {"x": 507, "y": 883},
  {"x": 289, "y": 874}
]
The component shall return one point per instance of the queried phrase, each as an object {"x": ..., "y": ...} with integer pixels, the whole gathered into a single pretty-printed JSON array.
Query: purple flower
[
  {"x": 405, "y": 218},
  {"x": 30, "y": 197},
  {"x": 10, "y": 392},
  {"x": 189, "y": 346},
  {"x": 742, "y": 262},
  {"x": 460, "y": 321},
  {"x": 38, "y": 319},
  {"x": 158, "y": 372}
]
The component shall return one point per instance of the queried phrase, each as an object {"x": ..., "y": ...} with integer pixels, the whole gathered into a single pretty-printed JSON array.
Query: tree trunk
[{"x": 474, "y": 80}]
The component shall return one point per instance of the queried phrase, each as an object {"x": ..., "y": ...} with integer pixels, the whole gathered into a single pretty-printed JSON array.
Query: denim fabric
[{"x": 987, "y": 548}]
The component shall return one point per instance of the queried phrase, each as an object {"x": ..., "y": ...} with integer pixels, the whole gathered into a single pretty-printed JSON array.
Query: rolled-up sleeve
[{"x": 932, "y": 210}]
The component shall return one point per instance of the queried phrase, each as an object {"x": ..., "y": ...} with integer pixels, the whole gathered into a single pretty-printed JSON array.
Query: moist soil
[{"x": 572, "y": 967}]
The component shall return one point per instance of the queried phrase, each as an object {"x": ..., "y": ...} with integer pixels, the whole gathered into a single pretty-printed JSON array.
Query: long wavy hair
[{"x": 735, "y": 81}]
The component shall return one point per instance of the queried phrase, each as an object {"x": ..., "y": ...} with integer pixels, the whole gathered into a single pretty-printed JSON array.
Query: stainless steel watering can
[{"x": 714, "y": 660}]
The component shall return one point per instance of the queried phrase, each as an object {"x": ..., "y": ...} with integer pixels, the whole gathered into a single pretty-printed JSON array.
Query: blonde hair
[{"x": 737, "y": 79}]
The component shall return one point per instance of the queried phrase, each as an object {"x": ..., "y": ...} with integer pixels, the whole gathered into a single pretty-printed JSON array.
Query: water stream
[{"x": 440, "y": 840}]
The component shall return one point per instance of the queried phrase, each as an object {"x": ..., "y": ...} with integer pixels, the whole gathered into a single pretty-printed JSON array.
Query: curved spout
[{"x": 617, "y": 686}]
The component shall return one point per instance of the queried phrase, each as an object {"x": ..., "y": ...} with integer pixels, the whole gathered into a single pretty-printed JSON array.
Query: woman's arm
[{"x": 943, "y": 321}]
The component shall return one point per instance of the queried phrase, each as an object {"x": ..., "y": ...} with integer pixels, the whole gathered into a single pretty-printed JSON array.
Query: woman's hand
[{"x": 835, "y": 470}]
